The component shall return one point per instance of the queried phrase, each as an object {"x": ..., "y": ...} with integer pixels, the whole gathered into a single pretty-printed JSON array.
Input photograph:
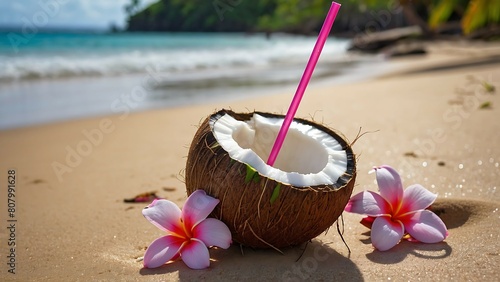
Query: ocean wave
[{"x": 102, "y": 63}]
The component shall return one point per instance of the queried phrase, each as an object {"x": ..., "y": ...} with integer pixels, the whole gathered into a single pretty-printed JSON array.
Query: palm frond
[
  {"x": 441, "y": 12},
  {"x": 494, "y": 11},
  {"x": 480, "y": 13}
]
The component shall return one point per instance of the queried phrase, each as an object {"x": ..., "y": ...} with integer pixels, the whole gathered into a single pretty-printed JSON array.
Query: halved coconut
[{"x": 271, "y": 206}]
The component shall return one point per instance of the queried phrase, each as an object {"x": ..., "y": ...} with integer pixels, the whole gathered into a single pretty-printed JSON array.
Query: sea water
[{"x": 57, "y": 76}]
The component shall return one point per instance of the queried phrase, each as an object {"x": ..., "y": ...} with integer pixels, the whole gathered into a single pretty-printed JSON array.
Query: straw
[{"x": 320, "y": 42}]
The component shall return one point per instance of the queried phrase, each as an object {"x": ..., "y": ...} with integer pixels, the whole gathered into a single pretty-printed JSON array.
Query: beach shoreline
[
  {"x": 429, "y": 125},
  {"x": 31, "y": 102},
  {"x": 41, "y": 101}
]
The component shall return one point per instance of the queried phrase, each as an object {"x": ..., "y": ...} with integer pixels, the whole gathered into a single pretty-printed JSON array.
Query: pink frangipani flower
[
  {"x": 189, "y": 232},
  {"x": 396, "y": 212}
]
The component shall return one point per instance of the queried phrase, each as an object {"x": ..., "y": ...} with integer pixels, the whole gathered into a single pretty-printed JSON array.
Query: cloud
[{"x": 65, "y": 13}]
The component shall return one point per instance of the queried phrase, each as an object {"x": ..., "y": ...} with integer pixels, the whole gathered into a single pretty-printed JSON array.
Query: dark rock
[
  {"x": 404, "y": 49},
  {"x": 411, "y": 154},
  {"x": 487, "y": 33},
  {"x": 376, "y": 41}
]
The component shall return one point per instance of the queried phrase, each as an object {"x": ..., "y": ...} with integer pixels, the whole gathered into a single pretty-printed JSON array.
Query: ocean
[{"x": 50, "y": 77}]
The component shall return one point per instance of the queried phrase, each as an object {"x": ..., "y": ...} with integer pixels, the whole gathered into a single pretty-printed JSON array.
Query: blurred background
[{"x": 66, "y": 59}]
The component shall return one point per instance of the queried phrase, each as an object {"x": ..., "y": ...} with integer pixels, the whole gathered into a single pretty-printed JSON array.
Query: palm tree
[{"x": 131, "y": 8}]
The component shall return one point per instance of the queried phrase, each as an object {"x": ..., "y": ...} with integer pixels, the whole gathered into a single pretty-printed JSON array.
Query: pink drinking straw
[{"x": 323, "y": 35}]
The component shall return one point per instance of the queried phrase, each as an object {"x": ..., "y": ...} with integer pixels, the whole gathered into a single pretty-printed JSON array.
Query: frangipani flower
[
  {"x": 189, "y": 232},
  {"x": 397, "y": 212}
]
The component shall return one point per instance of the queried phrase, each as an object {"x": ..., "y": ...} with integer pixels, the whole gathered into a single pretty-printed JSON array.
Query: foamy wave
[{"x": 52, "y": 65}]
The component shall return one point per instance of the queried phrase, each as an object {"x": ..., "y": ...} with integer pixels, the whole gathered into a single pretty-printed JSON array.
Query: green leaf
[
  {"x": 485, "y": 105},
  {"x": 494, "y": 11},
  {"x": 476, "y": 15},
  {"x": 488, "y": 87},
  {"x": 276, "y": 193},
  {"x": 256, "y": 178},
  {"x": 441, "y": 12},
  {"x": 250, "y": 174}
]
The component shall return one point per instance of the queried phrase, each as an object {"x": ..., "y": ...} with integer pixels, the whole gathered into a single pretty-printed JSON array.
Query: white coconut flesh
[{"x": 308, "y": 157}]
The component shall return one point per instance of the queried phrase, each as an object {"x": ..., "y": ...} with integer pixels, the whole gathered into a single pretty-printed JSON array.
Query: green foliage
[
  {"x": 276, "y": 193},
  {"x": 474, "y": 13},
  {"x": 131, "y": 8},
  {"x": 488, "y": 87},
  {"x": 480, "y": 13},
  {"x": 298, "y": 16},
  {"x": 442, "y": 12},
  {"x": 485, "y": 105},
  {"x": 286, "y": 15},
  {"x": 251, "y": 174},
  {"x": 191, "y": 15},
  {"x": 302, "y": 16}
]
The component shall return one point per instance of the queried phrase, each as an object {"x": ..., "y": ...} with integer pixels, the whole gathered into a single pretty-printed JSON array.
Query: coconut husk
[{"x": 261, "y": 212}]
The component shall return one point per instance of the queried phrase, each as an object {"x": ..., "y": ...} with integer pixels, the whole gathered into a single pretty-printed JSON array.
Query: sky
[{"x": 94, "y": 14}]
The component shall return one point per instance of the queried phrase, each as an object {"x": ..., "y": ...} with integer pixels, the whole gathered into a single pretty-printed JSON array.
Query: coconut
[{"x": 286, "y": 204}]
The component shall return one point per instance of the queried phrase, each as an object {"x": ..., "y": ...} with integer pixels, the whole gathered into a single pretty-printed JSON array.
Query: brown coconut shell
[{"x": 297, "y": 215}]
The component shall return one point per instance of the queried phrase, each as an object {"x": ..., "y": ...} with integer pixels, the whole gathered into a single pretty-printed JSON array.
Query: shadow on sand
[
  {"x": 405, "y": 249},
  {"x": 312, "y": 261}
]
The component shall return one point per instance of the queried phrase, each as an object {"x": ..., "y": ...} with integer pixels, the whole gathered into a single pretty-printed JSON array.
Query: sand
[{"x": 72, "y": 177}]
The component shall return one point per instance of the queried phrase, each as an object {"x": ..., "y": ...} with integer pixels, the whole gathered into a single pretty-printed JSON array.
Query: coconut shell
[{"x": 294, "y": 216}]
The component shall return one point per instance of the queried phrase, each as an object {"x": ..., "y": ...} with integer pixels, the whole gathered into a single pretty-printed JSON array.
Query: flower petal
[
  {"x": 198, "y": 206},
  {"x": 367, "y": 221},
  {"x": 165, "y": 215},
  {"x": 162, "y": 250},
  {"x": 425, "y": 226},
  {"x": 386, "y": 233},
  {"x": 416, "y": 197},
  {"x": 195, "y": 254},
  {"x": 369, "y": 203},
  {"x": 213, "y": 232},
  {"x": 389, "y": 184}
]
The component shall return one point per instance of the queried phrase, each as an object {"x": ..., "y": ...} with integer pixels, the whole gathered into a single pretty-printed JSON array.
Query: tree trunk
[{"x": 414, "y": 19}]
